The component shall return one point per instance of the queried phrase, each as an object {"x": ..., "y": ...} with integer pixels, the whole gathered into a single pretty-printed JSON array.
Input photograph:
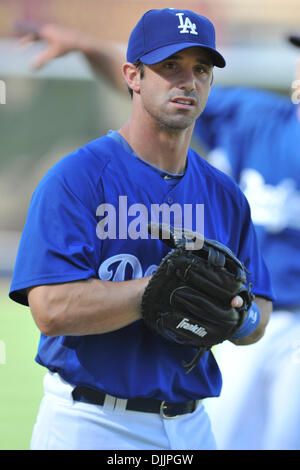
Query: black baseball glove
[{"x": 188, "y": 299}]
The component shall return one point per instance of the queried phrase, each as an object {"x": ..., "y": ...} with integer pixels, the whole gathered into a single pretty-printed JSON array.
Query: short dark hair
[{"x": 140, "y": 66}]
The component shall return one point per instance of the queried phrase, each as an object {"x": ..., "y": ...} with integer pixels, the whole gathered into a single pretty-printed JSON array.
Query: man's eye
[
  {"x": 201, "y": 69},
  {"x": 170, "y": 65}
]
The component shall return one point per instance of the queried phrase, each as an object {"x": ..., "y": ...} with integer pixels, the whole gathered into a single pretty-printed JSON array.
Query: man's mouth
[{"x": 186, "y": 102}]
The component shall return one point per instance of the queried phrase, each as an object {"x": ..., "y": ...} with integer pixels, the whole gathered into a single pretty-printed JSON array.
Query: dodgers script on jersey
[{"x": 65, "y": 239}]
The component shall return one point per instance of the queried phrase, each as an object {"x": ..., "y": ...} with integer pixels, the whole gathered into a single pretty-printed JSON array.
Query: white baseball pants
[{"x": 64, "y": 424}]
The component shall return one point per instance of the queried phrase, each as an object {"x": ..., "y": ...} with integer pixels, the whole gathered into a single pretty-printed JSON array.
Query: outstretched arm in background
[{"x": 105, "y": 58}]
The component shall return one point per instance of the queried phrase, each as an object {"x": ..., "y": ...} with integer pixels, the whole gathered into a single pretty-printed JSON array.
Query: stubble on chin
[
  {"x": 173, "y": 122},
  {"x": 177, "y": 122}
]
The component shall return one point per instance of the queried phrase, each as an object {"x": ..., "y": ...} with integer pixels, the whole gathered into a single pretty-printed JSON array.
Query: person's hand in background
[{"x": 105, "y": 57}]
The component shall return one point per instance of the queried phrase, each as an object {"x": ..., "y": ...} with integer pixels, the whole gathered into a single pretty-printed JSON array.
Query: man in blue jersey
[{"x": 84, "y": 260}]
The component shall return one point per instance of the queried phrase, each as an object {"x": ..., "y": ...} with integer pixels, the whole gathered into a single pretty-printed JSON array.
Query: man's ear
[
  {"x": 132, "y": 76},
  {"x": 212, "y": 78}
]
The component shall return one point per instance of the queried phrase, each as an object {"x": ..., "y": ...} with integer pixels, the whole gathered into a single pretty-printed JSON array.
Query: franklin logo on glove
[{"x": 198, "y": 330}]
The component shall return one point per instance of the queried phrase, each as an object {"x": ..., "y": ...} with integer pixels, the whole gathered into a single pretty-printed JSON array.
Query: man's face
[{"x": 174, "y": 92}]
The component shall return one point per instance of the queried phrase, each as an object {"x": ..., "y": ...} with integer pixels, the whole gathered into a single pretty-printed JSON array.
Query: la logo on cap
[{"x": 186, "y": 26}]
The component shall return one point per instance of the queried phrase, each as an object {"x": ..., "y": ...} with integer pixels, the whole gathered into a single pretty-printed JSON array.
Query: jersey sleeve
[
  {"x": 250, "y": 253},
  {"x": 59, "y": 242}
]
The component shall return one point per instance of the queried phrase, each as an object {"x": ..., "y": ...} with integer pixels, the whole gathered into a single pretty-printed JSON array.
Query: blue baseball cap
[{"x": 161, "y": 33}]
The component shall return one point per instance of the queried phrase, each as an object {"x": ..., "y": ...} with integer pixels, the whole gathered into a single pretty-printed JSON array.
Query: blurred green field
[{"x": 20, "y": 376}]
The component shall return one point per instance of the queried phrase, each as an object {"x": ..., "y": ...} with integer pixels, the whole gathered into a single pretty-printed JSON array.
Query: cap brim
[
  {"x": 295, "y": 40},
  {"x": 163, "y": 53}
]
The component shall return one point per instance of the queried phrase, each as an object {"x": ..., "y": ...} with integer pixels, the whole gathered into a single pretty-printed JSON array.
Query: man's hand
[
  {"x": 104, "y": 57},
  {"x": 265, "y": 307},
  {"x": 59, "y": 41}
]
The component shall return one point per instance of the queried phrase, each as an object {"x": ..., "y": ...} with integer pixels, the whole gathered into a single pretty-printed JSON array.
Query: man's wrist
[{"x": 250, "y": 324}]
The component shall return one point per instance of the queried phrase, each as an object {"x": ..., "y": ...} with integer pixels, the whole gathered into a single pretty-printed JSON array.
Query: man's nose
[{"x": 187, "y": 80}]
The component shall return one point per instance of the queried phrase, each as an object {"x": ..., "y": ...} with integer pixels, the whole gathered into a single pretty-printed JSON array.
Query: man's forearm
[
  {"x": 86, "y": 307},
  {"x": 106, "y": 60}
]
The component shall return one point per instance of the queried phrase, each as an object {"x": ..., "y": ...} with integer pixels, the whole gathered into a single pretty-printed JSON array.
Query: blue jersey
[
  {"x": 254, "y": 135},
  {"x": 63, "y": 240}
]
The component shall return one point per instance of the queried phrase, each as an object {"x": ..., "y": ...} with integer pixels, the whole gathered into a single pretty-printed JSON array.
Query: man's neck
[{"x": 164, "y": 148}]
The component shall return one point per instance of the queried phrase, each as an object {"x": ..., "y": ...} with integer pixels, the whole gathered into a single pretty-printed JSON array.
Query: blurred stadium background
[{"x": 49, "y": 113}]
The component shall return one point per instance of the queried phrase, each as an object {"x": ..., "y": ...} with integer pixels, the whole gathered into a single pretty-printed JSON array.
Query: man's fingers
[
  {"x": 237, "y": 302},
  {"x": 27, "y": 31},
  {"x": 43, "y": 58},
  {"x": 28, "y": 38}
]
